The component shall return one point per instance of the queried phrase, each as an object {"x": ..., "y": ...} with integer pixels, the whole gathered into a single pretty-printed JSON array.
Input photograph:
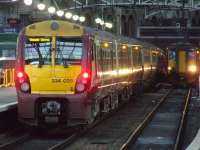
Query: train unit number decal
[{"x": 62, "y": 80}]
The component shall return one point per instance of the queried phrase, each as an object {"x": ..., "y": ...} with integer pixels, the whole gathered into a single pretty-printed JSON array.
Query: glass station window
[
  {"x": 38, "y": 50},
  {"x": 68, "y": 49}
]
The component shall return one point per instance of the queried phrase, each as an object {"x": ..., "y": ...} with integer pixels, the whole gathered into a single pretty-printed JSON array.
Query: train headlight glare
[
  {"x": 192, "y": 68},
  {"x": 25, "y": 87}
]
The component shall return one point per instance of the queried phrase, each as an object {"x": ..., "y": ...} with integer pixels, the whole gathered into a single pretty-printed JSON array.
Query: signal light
[{"x": 20, "y": 74}]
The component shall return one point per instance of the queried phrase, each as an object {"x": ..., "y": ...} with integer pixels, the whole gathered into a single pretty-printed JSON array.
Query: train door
[{"x": 94, "y": 60}]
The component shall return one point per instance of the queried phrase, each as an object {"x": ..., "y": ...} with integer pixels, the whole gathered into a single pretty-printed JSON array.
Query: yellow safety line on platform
[{"x": 8, "y": 78}]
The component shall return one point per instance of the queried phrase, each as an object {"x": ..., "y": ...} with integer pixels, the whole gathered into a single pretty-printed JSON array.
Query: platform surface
[
  {"x": 195, "y": 145},
  {"x": 8, "y": 99}
]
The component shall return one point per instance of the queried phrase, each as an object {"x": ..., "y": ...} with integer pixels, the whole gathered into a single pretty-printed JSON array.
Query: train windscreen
[
  {"x": 68, "y": 50},
  {"x": 38, "y": 51}
]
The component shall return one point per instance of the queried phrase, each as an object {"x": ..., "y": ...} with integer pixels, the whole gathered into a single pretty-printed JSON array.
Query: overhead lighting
[
  {"x": 28, "y": 2},
  {"x": 60, "y": 13},
  {"x": 98, "y": 20},
  {"x": 68, "y": 15},
  {"x": 52, "y": 10},
  {"x": 75, "y": 17},
  {"x": 108, "y": 25},
  {"x": 14, "y": 0},
  {"x": 41, "y": 6},
  {"x": 102, "y": 22},
  {"x": 82, "y": 19}
]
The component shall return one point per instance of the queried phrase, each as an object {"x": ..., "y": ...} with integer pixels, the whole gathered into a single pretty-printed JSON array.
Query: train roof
[
  {"x": 109, "y": 36},
  {"x": 71, "y": 27},
  {"x": 182, "y": 45}
]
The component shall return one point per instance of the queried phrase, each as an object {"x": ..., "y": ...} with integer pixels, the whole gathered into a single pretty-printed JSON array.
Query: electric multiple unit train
[
  {"x": 69, "y": 74},
  {"x": 183, "y": 60}
]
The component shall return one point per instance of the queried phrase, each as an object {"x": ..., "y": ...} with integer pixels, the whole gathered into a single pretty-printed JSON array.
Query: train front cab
[
  {"x": 183, "y": 65},
  {"x": 52, "y": 66}
]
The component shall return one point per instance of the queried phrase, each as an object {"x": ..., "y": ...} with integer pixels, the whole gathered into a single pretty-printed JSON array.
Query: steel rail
[
  {"x": 179, "y": 137},
  {"x": 135, "y": 134},
  {"x": 80, "y": 133},
  {"x": 9, "y": 145}
]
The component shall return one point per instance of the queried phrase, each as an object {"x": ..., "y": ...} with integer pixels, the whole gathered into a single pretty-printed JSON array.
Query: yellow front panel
[
  {"x": 54, "y": 28},
  {"x": 172, "y": 63},
  {"x": 53, "y": 79},
  {"x": 182, "y": 62}
]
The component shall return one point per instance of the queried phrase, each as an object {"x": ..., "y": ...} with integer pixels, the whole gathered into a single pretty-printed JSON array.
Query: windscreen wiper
[
  {"x": 41, "y": 61},
  {"x": 64, "y": 61}
]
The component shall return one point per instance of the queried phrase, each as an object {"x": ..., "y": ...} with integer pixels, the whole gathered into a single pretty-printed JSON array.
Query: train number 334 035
[{"x": 62, "y": 80}]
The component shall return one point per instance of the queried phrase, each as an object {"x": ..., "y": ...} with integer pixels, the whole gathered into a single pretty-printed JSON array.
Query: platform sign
[{"x": 10, "y": 29}]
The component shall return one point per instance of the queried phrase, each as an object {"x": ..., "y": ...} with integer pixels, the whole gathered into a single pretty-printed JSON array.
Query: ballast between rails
[{"x": 133, "y": 137}]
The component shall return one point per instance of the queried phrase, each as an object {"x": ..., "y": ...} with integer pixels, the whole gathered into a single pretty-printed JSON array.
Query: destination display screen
[{"x": 39, "y": 39}]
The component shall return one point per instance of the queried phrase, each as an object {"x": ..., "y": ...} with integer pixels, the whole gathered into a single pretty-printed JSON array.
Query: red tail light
[
  {"x": 83, "y": 82},
  {"x": 22, "y": 82}
]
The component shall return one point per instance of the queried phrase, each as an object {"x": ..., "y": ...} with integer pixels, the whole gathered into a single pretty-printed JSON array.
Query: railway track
[
  {"x": 103, "y": 134},
  {"x": 34, "y": 141},
  {"x": 12, "y": 137},
  {"x": 162, "y": 128},
  {"x": 111, "y": 133}
]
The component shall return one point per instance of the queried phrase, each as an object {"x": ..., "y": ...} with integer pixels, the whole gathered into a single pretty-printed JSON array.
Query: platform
[
  {"x": 8, "y": 99},
  {"x": 195, "y": 145}
]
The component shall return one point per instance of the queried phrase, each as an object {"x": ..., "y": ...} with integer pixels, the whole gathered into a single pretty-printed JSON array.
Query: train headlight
[
  {"x": 25, "y": 87},
  {"x": 80, "y": 87},
  {"x": 169, "y": 68},
  {"x": 192, "y": 68}
]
